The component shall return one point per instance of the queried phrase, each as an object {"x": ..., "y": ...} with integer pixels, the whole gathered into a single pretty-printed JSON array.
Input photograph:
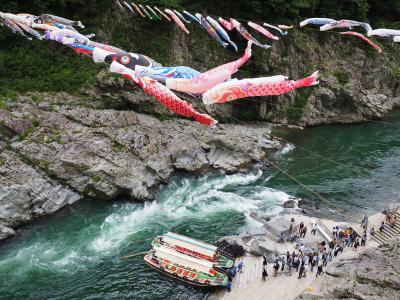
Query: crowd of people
[{"x": 305, "y": 259}]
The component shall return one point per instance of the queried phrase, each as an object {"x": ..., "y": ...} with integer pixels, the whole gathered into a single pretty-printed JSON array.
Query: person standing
[
  {"x": 264, "y": 274},
  {"x": 314, "y": 229},
  {"x": 301, "y": 227},
  {"x": 303, "y": 234},
  {"x": 301, "y": 271},
  {"x": 276, "y": 268},
  {"x": 289, "y": 263},
  {"x": 229, "y": 286},
  {"x": 312, "y": 265},
  {"x": 372, "y": 232},
  {"x": 356, "y": 244},
  {"x": 364, "y": 239},
  {"x": 319, "y": 271},
  {"x": 282, "y": 263},
  {"x": 365, "y": 226},
  {"x": 240, "y": 267},
  {"x": 382, "y": 227},
  {"x": 363, "y": 221},
  {"x": 335, "y": 230}
]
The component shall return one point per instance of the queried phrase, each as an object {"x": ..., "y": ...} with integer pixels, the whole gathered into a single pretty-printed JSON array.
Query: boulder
[
  {"x": 232, "y": 244},
  {"x": 256, "y": 249},
  {"x": 290, "y": 204}
]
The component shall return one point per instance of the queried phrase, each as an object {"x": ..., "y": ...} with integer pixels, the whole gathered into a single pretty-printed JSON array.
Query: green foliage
[
  {"x": 295, "y": 112},
  {"x": 120, "y": 148},
  {"x": 342, "y": 76},
  {"x": 96, "y": 178}
]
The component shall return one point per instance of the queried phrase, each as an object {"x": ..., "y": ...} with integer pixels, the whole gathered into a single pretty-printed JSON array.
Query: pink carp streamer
[
  {"x": 177, "y": 20},
  {"x": 262, "y": 30},
  {"x": 209, "y": 79},
  {"x": 363, "y": 38},
  {"x": 264, "y": 86},
  {"x": 226, "y": 24},
  {"x": 163, "y": 95}
]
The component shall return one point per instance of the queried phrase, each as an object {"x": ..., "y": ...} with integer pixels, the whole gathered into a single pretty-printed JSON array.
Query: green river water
[{"x": 75, "y": 254}]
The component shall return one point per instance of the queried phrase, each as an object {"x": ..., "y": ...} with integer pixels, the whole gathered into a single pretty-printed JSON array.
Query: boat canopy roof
[
  {"x": 189, "y": 243},
  {"x": 184, "y": 260}
]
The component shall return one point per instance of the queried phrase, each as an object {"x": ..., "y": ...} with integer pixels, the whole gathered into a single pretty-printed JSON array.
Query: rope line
[
  {"x": 321, "y": 156},
  {"x": 303, "y": 185}
]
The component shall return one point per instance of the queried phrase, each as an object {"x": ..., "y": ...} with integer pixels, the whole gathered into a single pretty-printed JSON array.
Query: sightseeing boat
[
  {"x": 195, "y": 248},
  {"x": 189, "y": 260}
]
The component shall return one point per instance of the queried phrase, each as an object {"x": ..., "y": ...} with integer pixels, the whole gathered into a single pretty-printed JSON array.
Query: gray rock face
[
  {"x": 26, "y": 193},
  {"x": 373, "y": 275},
  {"x": 60, "y": 153}
]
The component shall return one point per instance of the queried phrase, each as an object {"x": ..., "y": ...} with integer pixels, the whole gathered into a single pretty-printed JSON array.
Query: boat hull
[{"x": 183, "y": 279}]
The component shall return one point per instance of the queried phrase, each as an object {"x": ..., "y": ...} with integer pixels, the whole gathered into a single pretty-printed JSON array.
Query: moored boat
[
  {"x": 189, "y": 260},
  {"x": 195, "y": 248}
]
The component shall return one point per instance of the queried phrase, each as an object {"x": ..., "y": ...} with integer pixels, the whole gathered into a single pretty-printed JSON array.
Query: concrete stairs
[{"x": 388, "y": 232}]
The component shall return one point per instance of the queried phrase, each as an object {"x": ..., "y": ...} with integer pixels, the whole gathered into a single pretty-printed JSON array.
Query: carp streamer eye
[{"x": 125, "y": 60}]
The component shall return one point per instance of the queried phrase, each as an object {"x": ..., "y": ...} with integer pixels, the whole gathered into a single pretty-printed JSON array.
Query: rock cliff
[{"x": 56, "y": 150}]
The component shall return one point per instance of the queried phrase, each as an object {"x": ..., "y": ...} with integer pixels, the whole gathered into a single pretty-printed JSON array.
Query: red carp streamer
[
  {"x": 163, "y": 95},
  {"x": 264, "y": 86},
  {"x": 363, "y": 38}
]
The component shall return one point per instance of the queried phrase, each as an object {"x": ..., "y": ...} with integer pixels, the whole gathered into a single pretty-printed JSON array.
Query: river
[{"x": 75, "y": 254}]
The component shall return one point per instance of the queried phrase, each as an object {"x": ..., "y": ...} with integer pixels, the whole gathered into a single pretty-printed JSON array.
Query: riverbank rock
[
  {"x": 257, "y": 250},
  {"x": 232, "y": 244},
  {"x": 53, "y": 154},
  {"x": 373, "y": 275}
]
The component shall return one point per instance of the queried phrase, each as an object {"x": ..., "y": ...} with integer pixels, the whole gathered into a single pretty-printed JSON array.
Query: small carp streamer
[
  {"x": 138, "y": 9},
  {"x": 130, "y": 8},
  {"x": 153, "y": 12},
  {"x": 191, "y": 17},
  {"x": 285, "y": 27},
  {"x": 357, "y": 34},
  {"x": 256, "y": 87},
  {"x": 211, "y": 78},
  {"x": 240, "y": 28},
  {"x": 226, "y": 24},
  {"x": 161, "y": 13},
  {"x": 276, "y": 28},
  {"x": 316, "y": 21},
  {"x": 177, "y": 20},
  {"x": 262, "y": 30},
  {"x": 180, "y": 16},
  {"x": 13, "y": 27},
  {"x": 46, "y": 18},
  {"x": 221, "y": 32},
  {"x": 383, "y": 32},
  {"x": 163, "y": 95},
  {"x": 129, "y": 60},
  {"x": 211, "y": 31},
  {"x": 67, "y": 37},
  {"x": 345, "y": 24},
  {"x": 145, "y": 11}
]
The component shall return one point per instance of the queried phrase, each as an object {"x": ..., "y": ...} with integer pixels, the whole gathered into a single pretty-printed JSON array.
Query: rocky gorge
[
  {"x": 111, "y": 140},
  {"x": 52, "y": 155}
]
